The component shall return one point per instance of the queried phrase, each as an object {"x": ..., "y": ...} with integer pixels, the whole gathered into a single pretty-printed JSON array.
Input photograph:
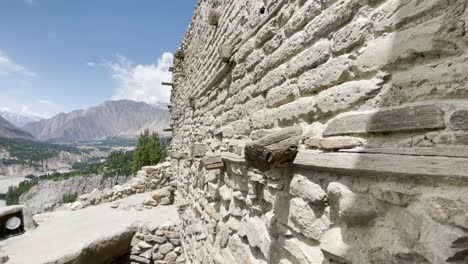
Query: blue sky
[{"x": 61, "y": 55}]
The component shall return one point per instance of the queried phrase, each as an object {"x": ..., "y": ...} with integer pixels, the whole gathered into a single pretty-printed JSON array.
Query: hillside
[
  {"x": 8, "y": 130},
  {"x": 122, "y": 118}
]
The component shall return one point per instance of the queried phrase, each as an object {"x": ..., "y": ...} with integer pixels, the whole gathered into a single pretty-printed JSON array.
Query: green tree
[{"x": 149, "y": 150}]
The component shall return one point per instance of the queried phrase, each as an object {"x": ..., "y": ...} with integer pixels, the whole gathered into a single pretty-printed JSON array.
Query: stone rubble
[
  {"x": 157, "y": 245},
  {"x": 158, "y": 179}
]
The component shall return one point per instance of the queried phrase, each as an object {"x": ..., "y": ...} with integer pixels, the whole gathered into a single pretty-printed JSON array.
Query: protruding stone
[
  {"x": 198, "y": 150},
  {"x": 349, "y": 207},
  {"x": 333, "y": 246},
  {"x": 449, "y": 211},
  {"x": 213, "y": 17},
  {"x": 334, "y": 143},
  {"x": 307, "y": 190},
  {"x": 459, "y": 120}
]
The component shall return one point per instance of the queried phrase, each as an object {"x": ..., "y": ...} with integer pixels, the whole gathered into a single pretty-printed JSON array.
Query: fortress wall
[{"x": 323, "y": 131}]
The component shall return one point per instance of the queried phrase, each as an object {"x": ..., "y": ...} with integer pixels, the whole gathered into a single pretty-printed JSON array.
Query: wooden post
[
  {"x": 167, "y": 84},
  {"x": 273, "y": 149}
]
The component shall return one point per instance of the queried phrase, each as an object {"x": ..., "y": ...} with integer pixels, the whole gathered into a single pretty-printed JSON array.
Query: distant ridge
[
  {"x": 8, "y": 130},
  {"x": 19, "y": 120},
  {"x": 123, "y": 118}
]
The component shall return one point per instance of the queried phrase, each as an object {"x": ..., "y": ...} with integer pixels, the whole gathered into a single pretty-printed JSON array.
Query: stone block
[
  {"x": 334, "y": 143},
  {"x": 459, "y": 120},
  {"x": 198, "y": 150},
  {"x": 349, "y": 207},
  {"x": 350, "y": 36},
  {"x": 303, "y": 219},
  {"x": 346, "y": 95},
  {"x": 419, "y": 117},
  {"x": 303, "y": 252},
  {"x": 334, "y": 247},
  {"x": 307, "y": 190},
  {"x": 335, "y": 71}
]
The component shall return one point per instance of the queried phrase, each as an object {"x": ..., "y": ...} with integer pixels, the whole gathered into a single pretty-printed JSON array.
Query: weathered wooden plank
[
  {"x": 198, "y": 150},
  {"x": 167, "y": 84},
  {"x": 459, "y": 120},
  {"x": 231, "y": 157},
  {"x": 445, "y": 151},
  {"x": 388, "y": 120},
  {"x": 273, "y": 149},
  {"x": 213, "y": 162},
  {"x": 384, "y": 164}
]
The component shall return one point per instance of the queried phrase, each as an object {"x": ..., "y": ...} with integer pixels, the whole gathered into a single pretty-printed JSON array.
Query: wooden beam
[
  {"x": 171, "y": 69},
  {"x": 169, "y": 129},
  {"x": 213, "y": 162},
  {"x": 384, "y": 164},
  {"x": 441, "y": 151},
  {"x": 231, "y": 157},
  {"x": 273, "y": 149},
  {"x": 167, "y": 84}
]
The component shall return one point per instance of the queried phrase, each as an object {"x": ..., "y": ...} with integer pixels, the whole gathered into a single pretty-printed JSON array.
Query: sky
[{"x": 61, "y": 55}]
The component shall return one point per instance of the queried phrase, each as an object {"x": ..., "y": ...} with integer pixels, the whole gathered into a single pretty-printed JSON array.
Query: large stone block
[
  {"x": 459, "y": 120},
  {"x": 307, "y": 220},
  {"x": 404, "y": 46},
  {"x": 303, "y": 252},
  {"x": 388, "y": 120},
  {"x": 335, "y": 71},
  {"x": 346, "y": 95},
  {"x": 350, "y": 36},
  {"x": 307, "y": 190},
  {"x": 349, "y": 207},
  {"x": 334, "y": 247}
]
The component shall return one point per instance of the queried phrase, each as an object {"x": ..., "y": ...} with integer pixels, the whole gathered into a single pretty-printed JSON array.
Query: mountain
[
  {"x": 19, "y": 120},
  {"x": 122, "y": 118},
  {"x": 8, "y": 130}
]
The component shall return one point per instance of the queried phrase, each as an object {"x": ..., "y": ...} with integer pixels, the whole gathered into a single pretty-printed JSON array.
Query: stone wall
[
  {"x": 149, "y": 178},
  {"x": 323, "y": 131},
  {"x": 158, "y": 245}
]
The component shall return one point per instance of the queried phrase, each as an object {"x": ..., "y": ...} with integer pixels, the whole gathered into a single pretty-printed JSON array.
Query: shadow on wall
[{"x": 386, "y": 214}]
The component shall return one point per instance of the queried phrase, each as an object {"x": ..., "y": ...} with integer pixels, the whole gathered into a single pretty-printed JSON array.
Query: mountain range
[
  {"x": 8, "y": 130},
  {"x": 123, "y": 118},
  {"x": 19, "y": 120}
]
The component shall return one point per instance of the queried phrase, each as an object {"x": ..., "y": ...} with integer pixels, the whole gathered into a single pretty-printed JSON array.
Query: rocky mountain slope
[
  {"x": 19, "y": 120},
  {"x": 122, "y": 118},
  {"x": 8, "y": 130},
  {"x": 48, "y": 194}
]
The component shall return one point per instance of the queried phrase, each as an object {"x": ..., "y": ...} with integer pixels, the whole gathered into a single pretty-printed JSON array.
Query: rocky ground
[{"x": 96, "y": 233}]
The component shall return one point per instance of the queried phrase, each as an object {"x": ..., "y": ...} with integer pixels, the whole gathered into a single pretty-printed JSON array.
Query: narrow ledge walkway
[{"x": 86, "y": 234}]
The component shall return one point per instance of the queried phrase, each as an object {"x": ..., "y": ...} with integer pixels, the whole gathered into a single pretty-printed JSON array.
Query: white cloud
[
  {"x": 9, "y": 67},
  {"x": 142, "y": 82}
]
